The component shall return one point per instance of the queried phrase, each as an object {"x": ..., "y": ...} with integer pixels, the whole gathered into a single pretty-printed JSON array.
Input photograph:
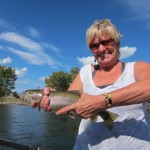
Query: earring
[{"x": 96, "y": 66}]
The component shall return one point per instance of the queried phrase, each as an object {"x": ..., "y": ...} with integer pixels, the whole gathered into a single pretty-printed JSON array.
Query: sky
[{"x": 39, "y": 37}]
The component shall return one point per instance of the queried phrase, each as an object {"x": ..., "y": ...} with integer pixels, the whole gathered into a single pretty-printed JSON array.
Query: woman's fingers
[
  {"x": 33, "y": 104},
  {"x": 66, "y": 109}
]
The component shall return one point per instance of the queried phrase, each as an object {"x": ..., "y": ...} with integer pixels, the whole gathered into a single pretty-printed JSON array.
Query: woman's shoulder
[
  {"x": 138, "y": 63},
  {"x": 142, "y": 70},
  {"x": 142, "y": 64}
]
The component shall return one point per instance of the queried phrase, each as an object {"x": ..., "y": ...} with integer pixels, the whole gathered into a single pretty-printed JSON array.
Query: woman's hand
[
  {"x": 34, "y": 104},
  {"x": 87, "y": 106},
  {"x": 45, "y": 103}
]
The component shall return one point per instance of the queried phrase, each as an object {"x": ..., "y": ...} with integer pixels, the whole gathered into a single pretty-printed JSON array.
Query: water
[{"x": 27, "y": 126}]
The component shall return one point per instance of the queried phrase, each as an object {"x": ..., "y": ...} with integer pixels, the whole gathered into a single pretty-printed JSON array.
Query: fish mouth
[{"x": 29, "y": 95}]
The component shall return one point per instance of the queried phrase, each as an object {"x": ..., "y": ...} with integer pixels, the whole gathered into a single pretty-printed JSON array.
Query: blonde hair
[{"x": 102, "y": 26}]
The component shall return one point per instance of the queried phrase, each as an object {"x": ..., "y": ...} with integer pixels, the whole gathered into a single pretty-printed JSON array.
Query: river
[
  {"x": 32, "y": 128},
  {"x": 27, "y": 126}
]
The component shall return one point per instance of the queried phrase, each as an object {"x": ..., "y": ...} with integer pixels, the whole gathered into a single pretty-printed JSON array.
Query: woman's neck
[{"x": 108, "y": 67}]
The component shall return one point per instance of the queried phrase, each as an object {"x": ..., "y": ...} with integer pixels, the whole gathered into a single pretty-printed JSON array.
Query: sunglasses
[{"x": 104, "y": 43}]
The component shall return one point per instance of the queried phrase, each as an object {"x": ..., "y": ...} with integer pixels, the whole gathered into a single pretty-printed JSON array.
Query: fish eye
[{"x": 29, "y": 92}]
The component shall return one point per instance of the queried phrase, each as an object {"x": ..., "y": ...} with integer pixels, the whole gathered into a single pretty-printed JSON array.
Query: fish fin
[
  {"x": 94, "y": 118},
  {"x": 108, "y": 117},
  {"x": 71, "y": 114},
  {"x": 113, "y": 116},
  {"x": 39, "y": 104},
  {"x": 39, "y": 107},
  {"x": 108, "y": 123}
]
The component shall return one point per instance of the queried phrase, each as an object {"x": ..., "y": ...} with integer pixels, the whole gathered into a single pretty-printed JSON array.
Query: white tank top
[{"x": 129, "y": 132}]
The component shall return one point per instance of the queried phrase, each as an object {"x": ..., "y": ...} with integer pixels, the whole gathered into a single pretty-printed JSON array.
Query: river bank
[{"x": 13, "y": 100}]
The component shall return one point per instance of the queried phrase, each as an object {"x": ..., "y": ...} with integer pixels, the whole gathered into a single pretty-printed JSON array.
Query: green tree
[
  {"x": 60, "y": 81},
  {"x": 7, "y": 80},
  {"x": 74, "y": 71}
]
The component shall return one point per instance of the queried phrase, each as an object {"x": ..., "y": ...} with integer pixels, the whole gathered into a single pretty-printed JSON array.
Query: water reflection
[{"x": 27, "y": 126}]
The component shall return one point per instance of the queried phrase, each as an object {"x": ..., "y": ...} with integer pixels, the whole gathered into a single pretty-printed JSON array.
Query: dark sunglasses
[{"x": 104, "y": 43}]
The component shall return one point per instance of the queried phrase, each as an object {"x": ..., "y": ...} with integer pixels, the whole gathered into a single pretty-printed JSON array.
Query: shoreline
[{"x": 13, "y": 100}]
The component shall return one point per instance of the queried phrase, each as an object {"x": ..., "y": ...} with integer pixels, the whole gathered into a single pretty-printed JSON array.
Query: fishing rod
[{"x": 16, "y": 146}]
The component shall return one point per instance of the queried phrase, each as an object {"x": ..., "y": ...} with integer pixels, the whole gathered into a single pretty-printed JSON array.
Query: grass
[{"x": 13, "y": 100}]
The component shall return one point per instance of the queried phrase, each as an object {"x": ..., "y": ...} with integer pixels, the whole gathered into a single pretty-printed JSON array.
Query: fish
[{"x": 60, "y": 99}]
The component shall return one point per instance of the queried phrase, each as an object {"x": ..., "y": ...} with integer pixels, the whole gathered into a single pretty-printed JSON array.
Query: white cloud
[
  {"x": 86, "y": 60},
  {"x": 26, "y": 84},
  {"x": 140, "y": 9},
  {"x": 33, "y": 32},
  {"x": 138, "y": 6},
  {"x": 20, "y": 40},
  {"x": 1, "y": 47},
  {"x": 126, "y": 52},
  {"x": 25, "y": 81},
  {"x": 31, "y": 51},
  {"x": 42, "y": 78},
  {"x": 5, "y": 24},
  {"x": 34, "y": 58},
  {"x": 21, "y": 72},
  {"x": 31, "y": 58},
  {"x": 52, "y": 48},
  {"x": 7, "y": 60}
]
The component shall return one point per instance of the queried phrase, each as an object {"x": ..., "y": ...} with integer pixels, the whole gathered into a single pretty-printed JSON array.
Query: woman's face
[{"x": 105, "y": 50}]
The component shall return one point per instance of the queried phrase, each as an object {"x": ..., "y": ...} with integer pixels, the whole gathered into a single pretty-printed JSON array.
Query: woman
[{"x": 122, "y": 88}]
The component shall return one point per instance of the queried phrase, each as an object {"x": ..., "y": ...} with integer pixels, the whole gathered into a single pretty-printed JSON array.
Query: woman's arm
[
  {"x": 137, "y": 92},
  {"x": 76, "y": 84}
]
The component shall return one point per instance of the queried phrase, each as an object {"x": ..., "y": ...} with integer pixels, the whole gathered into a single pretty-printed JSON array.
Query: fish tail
[
  {"x": 108, "y": 118},
  {"x": 108, "y": 123},
  {"x": 113, "y": 116},
  {"x": 71, "y": 114}
]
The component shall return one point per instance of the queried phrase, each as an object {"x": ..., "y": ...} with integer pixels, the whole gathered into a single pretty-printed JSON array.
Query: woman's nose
[{"x": 101, "y": 48}]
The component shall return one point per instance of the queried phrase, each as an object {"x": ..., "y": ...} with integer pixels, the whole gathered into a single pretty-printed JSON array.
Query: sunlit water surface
[{"x": 32, "y": 128}]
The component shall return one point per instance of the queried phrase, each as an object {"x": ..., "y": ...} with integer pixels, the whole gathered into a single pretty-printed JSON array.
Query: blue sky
[{"x": 39, "y": 37}]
